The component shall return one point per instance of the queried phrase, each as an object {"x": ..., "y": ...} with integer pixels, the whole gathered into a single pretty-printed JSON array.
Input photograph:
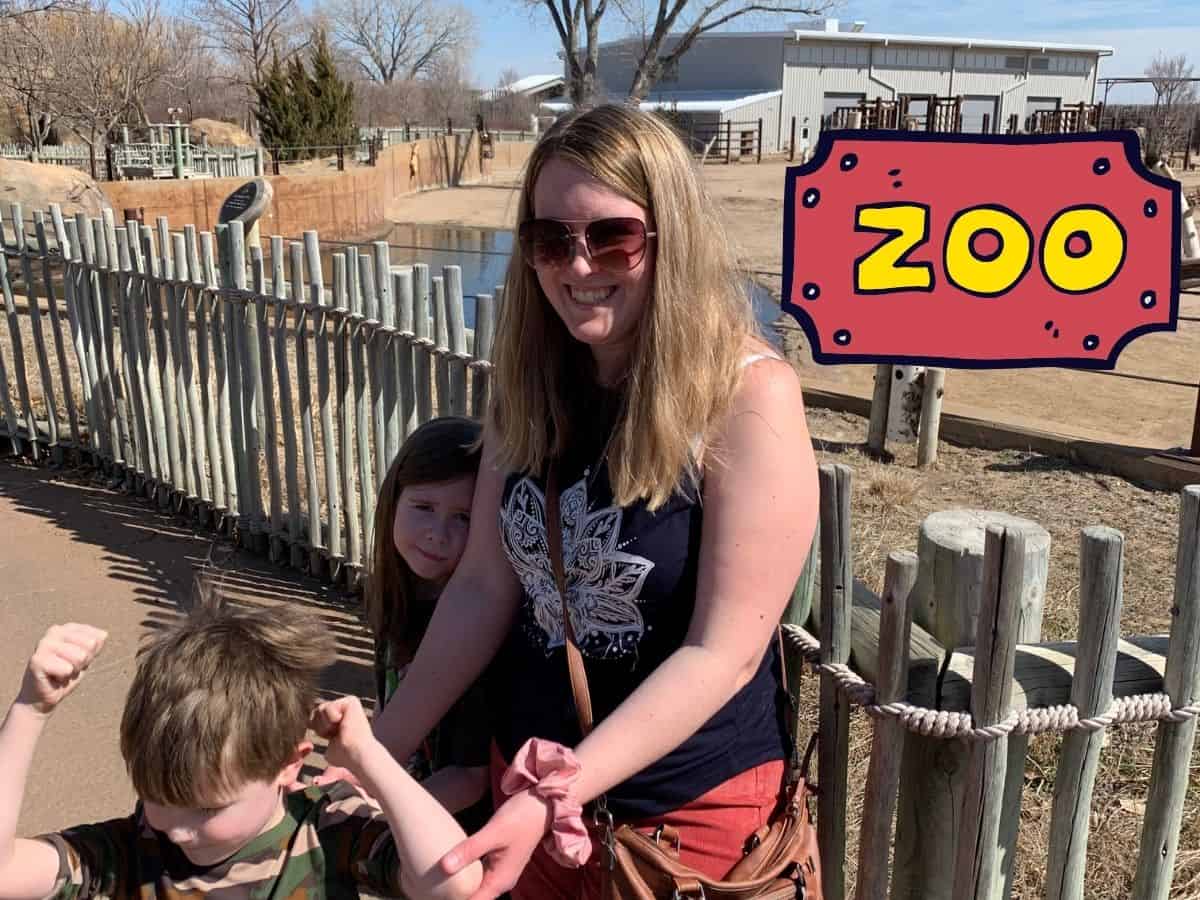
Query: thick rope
[{"x": 947, "y": 724}]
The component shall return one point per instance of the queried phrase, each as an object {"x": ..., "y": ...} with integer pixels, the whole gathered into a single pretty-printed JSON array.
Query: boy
[{"x": 213, "y": 733}]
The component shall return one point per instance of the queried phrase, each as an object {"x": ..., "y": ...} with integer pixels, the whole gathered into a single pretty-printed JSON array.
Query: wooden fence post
[
  {"x": 883, "y": 774},
  {"x": 60, "y": 352},
  {"x": 485, "y": 330},
  {"x": 1101, "y": 573},
  {"x": 14, "y": 436},
  {"x": 424, "y": 353},
  {"x": 283, "y": 377},
  {"x": 319, "y": 300},
  {"x": 341, "y": 348},
  {"x": 977, "y": 865},
  {"x": 39, "y": 339},
  {"x": 931, "y": 416},
  {"x": 304, "y": 392},
  {"x": 362, "y": 425},
  {"x": 1173, "y": 747},
  {"x": 946, "y": 602},
  {"x": 402, "y": 289},
  {"x": 880, "y": 398},
  {"x": 264, "y": 391},
  {"x": 837, "y": 584},
  {"x": 456, "y": 326}
]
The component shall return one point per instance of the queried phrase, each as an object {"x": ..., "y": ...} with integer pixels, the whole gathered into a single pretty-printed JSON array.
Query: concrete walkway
[{"x": 73, "y": 550}]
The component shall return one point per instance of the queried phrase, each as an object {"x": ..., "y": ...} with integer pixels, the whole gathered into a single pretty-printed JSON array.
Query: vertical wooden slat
[
  {"x": 264, "y": 389},
  {"x": 441, "y": 359},
  {"x": 376, "y": 362},
  {"x": 14, "y": 333},
  {"x": 385, "y": 346},
  {"x": 82, "y": 304},
  {"x": 485, "y": 329},
  {"x": 97, "y": 247},
  {"x": 977, "y": 868},
  {"x": 320, "y": 303},
  {"x": 345, "y": 396},
  {"x": 283, "y": 376},
  {"x": 224, "y": 390},
  {"x": 138, "y": 424},
  {"x": 883, "y": 774},
  {"x": 64, "y": 373},
  {"x": 69, "y": 249},
  {"x": 423, "y": 354},
  {"x": 107, "y": 259},
  {"x": 1173, "y": 747},
  {"x": 149, "y": 375},
  {"x": 205, "y": 280},
  {"x": 88, "y": 287},
  {"x": 173, "y": 256},
  {"x": 1101, "y": 574},
  {"x": 402, "y": 288},
  {"x": 242, "y": 370},
  {"x": 456, "y": 325},
  {"x": 190, "y": 290},
  {"x": 837, "y": 584},
  {"x": 359, "y": 354},
  {"x": 39, "y": 338},
  {"x": 304, "y": 389},
  {"x": 161, "y": 368}
]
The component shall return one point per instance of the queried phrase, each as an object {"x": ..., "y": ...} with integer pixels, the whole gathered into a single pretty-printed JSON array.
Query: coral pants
[{"x": 713, "y": 830}]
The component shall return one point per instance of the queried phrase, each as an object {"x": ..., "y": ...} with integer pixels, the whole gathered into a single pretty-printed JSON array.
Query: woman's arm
[
  {"x": 472, "y": 616},
  {"x": 760, "y": 511}
]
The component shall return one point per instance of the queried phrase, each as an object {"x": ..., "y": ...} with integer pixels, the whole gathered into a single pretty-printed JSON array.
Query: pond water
[{"x": 483, "y": 255}]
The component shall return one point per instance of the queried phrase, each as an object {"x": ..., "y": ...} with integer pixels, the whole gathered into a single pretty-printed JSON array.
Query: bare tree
[
  {"x": 27, "y": 77},
  {"x": 1174, "y": 104},
  {"x": 399, "y": 39},
  {"x": 447, "y": 93},
  {"x": 250, "y": 32},
  {"x": 666, "y": 30},
  {"x": 104, "y": 63}
]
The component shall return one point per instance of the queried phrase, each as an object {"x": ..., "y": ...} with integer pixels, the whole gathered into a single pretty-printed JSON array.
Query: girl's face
[
  {"x": 600, "y": 308},
  {"x": 430, "y": 529}
]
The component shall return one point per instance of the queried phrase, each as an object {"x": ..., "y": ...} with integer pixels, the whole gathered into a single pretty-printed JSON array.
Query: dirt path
[
  {"x": 1077, "y": 402},
  {"x": 76, "y": 551}
]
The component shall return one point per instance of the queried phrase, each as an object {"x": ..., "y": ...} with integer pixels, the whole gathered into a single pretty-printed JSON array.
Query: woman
[{"x": 626, "y": 357}]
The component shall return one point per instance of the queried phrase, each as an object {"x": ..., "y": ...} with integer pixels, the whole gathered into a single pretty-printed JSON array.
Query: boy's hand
[
  {"x": 343, "y": 723},
  {"x": 58, "y": 663}
]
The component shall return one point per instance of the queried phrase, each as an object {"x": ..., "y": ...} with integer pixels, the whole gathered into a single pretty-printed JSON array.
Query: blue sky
[{"x": 511, "y": 34}]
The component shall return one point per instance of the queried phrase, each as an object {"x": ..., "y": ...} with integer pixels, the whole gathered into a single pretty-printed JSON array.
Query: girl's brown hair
[
  {"x": 440, "y": 450},
  {"x": 685, "y": 364}
]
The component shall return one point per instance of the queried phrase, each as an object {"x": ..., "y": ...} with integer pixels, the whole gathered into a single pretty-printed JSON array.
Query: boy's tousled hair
[
  {"x": 441, "y": 449},
  {"x": 220, "y": 699}
]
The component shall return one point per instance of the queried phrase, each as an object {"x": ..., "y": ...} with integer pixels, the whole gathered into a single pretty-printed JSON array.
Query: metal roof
[
  {"x": 689, "y": 101},
  {"x": 803, "y": 34}
]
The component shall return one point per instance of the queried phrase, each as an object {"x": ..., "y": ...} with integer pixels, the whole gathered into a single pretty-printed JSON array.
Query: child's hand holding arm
[
  {"x": 421, "y": 827},
  {"x": 29, "y": 869}
]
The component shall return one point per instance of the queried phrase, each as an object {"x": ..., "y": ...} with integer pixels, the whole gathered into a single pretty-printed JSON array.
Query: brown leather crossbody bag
[{"x": 781, "y": 860}]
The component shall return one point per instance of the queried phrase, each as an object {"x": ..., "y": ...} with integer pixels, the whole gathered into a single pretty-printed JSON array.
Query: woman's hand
[{"x": 504, "y": 845}]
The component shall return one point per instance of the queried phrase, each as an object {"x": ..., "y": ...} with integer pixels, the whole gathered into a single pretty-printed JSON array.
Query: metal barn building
[{"x": 728, "y": 80}]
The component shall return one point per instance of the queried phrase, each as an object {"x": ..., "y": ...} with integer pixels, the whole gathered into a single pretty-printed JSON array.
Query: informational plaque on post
[{"x": 247, "y": 203}]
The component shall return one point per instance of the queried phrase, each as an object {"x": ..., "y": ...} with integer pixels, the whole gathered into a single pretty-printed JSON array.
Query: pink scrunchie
[{"x": 550, "y": 769}]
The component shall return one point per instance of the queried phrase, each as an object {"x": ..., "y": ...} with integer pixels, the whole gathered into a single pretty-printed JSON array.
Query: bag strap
[{"x": 575, "y": 669}]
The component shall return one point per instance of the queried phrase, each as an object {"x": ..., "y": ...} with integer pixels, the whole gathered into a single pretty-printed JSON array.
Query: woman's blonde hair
[{"x": 686, "y": 359}]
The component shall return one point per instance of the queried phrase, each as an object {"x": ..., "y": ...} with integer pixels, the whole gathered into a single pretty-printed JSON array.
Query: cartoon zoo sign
[{"x": 979, "y": 251}]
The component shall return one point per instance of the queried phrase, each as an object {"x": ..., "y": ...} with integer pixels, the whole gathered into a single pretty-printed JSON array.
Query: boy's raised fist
[{"x": 58, "y": 663}]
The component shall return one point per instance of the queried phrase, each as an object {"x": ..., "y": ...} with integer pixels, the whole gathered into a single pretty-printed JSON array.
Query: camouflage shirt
[{"x": 330, "y": 843}]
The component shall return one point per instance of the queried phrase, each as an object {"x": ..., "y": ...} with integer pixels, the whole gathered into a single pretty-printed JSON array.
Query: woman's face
[
  {"x": 431, "y": 525},
  {"x": 599, "y": 308}
]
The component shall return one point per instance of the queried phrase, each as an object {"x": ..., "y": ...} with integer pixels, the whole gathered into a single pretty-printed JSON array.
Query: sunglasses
[{"x": 615, "y": 245}]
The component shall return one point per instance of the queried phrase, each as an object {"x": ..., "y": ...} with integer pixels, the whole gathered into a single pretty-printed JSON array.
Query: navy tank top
[{"x": 631, "y": 584}]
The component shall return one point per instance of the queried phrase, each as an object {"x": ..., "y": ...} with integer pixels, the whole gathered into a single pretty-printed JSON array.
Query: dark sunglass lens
[
  {"x": 617, "y": 242},
  {"x": 545, "y": 242}
]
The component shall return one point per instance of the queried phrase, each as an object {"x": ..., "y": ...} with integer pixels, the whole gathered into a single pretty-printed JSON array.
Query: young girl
[{"x": 421, "y": 524}]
